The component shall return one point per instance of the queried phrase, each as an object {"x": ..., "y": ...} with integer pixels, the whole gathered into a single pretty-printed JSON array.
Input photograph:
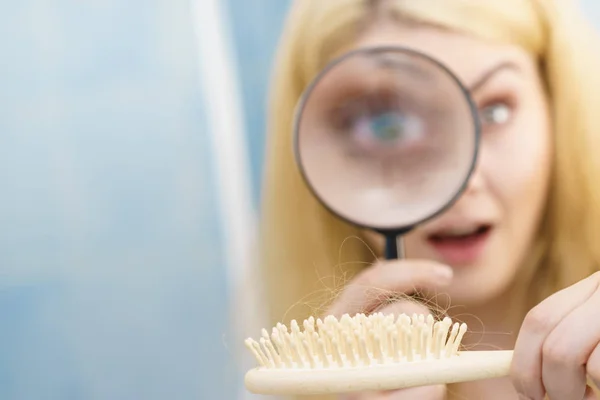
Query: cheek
[{"x": 518, "y": 165}]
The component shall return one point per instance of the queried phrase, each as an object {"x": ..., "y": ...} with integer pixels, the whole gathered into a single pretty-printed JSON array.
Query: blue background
[
  {"x": 256, "y": 27},
  {"x": 112, "y": 275}
]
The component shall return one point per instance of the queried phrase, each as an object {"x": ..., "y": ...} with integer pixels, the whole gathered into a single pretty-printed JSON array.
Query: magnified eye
[{"x": 388, "y": 129}]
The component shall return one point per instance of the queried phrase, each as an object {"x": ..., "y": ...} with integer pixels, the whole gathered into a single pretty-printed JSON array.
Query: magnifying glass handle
[{"x": 392, "y": 250}]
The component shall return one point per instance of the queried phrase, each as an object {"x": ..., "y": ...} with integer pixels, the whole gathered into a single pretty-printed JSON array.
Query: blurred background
[{"x": 131, "y": 145}]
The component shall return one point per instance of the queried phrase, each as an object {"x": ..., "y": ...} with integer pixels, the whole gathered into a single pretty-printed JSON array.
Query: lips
[
  {"x": 459, "y": 233},
  {"x": 460, "y": 244}
]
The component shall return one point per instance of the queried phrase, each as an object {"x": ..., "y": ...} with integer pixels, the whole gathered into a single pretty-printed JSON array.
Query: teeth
[{"x": 459, "y": 231}]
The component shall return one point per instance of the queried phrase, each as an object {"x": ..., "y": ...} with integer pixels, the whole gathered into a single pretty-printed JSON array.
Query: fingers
[
  {"x": 373, "y": 285},
  {"x": 567, "y": 349},
  {"x": 534, "y": 353}
]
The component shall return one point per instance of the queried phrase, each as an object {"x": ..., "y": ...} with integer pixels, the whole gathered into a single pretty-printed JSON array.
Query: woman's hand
[
  {"x": 371, "y": 290},
  {"x": 558, "y": 346}
]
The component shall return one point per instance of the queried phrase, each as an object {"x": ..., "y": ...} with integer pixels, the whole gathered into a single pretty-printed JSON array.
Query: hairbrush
[{"x": 364, "y": 353}]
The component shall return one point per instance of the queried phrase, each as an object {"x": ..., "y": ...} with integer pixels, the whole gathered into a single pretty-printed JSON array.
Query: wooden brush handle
[{"x": 466, "y": 366}]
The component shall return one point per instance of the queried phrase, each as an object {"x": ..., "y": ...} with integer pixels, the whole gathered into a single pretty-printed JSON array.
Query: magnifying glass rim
[{"x": 376, "y": 49}]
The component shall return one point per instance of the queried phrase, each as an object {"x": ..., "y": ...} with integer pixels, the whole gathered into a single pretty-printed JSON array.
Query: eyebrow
[
  {"x": 491, "y": 72},
  {"x": 426, "y": 75},
  {"x": 399, "y": 64}
]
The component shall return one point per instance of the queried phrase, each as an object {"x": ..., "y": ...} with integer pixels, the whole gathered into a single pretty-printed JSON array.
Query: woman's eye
[
  {"x": 387, "y": 129},
  {"x": 497, "y": 113}
]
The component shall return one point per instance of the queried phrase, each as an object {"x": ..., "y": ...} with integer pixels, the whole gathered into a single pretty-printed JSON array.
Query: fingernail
[{"x": 444, "y": 273}]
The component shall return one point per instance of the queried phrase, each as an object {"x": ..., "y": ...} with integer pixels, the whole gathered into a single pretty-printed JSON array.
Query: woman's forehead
[{"x": 468, "y": 57}]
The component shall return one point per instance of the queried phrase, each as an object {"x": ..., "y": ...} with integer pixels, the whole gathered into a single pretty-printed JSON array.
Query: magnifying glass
[{"x": 386, "y": 138}]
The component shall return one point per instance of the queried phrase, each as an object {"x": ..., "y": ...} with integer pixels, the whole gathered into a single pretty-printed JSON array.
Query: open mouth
[{"x": 458, "y": 235}]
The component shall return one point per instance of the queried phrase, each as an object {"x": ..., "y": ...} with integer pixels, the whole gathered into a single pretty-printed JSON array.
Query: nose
[{"x": 476, "y": 180}]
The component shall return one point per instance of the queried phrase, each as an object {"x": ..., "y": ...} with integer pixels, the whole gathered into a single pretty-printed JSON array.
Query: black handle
[{"x": 391, "y": 246}]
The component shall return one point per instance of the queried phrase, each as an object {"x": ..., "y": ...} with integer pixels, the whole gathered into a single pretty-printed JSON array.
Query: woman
[{"x": 531, "y": 207}]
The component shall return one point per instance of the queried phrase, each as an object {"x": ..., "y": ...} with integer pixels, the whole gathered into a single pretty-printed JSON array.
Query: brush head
[
  {"x": 365, "y": 353},
  {"x": 358, "y": 341}
]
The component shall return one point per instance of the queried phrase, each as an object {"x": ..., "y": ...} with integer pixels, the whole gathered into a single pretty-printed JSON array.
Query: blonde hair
[{"x": 306, "y": 250}]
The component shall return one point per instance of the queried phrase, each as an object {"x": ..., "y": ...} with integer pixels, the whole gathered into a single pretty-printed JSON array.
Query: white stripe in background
[{"x": 219, "y": 80}]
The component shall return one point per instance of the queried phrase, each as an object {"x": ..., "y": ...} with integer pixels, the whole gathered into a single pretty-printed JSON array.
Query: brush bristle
[{"x": 357, "y": 341}]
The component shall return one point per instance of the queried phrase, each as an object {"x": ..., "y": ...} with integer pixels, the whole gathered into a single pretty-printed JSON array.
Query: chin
[
  {"x": 478, "y": 284},
  {"x": 483, "y": 269},
  {"x": 473, "y": 291}
]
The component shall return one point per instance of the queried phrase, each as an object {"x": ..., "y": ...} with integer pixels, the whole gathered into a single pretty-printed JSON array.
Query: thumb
[{"x": 373, "y": 285}]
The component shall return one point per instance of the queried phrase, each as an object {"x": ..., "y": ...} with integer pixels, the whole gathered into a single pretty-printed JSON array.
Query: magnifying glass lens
[{"x": 386, "y": 138}]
